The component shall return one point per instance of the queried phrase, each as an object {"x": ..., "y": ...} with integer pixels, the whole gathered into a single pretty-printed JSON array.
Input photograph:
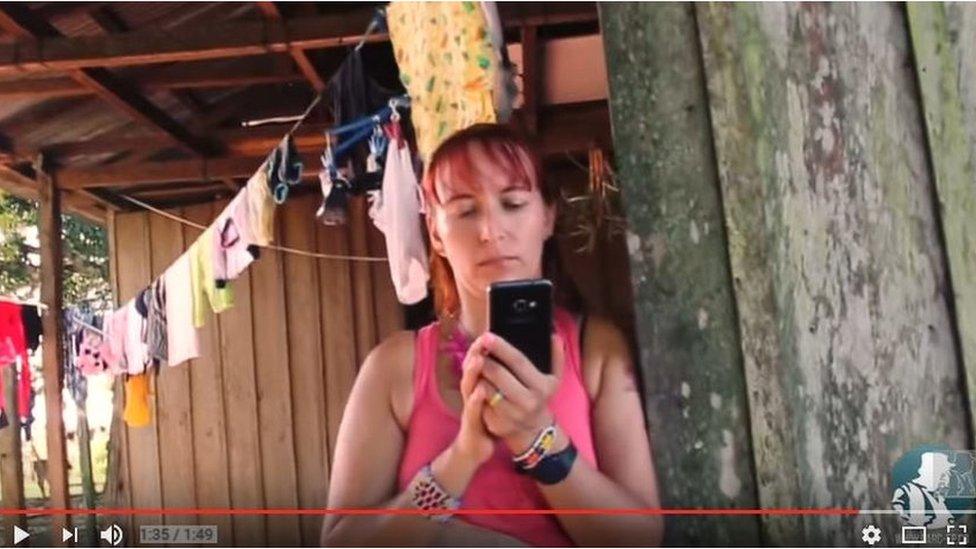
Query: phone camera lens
[{"x": 520, "y": 305}]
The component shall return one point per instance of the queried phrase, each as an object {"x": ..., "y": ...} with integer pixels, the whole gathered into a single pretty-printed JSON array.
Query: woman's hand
[
  {"x": 524, "y": 409},
  {"x": 473, "y": 442}
]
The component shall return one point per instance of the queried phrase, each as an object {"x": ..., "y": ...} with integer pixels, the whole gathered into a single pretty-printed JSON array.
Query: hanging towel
[
  {"x": 181, "y": 337},
  {"x": 396, "y": 212},
  {"x": 206, "y": 294},
  {"x": 449, "y": 65}
]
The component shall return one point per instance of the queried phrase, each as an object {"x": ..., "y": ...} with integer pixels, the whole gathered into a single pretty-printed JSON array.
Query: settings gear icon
[{"x": 870, "y": 534}]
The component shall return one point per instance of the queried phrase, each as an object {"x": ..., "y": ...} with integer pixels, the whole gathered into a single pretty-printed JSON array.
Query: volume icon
[{"x": 112, "y": 534}]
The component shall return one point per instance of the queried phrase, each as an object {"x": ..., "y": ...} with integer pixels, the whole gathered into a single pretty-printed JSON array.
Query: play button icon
[{"x": 20, "y": 535}]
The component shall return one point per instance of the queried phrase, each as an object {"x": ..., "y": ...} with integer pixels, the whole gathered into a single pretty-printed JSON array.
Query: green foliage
[{"x": 85, "y": 248}]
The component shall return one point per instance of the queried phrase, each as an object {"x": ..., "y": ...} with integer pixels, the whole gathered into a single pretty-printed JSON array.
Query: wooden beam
[
  {"x": 75, "y": 202},
  {"x": 223, "y": 40},
  {"x": 52, "y": 352},
  {"x": 244, "y": 72},
  {"x": 177, "y": 171},
  {"x": 236, "y": 142},
  {"x": 567, "y": 129},
  {"x": 22, "y": 23},
  {"x": 271, "y": 12},
  {"x": 150, "y": 46},
  {"x": 109, "y": 22}
]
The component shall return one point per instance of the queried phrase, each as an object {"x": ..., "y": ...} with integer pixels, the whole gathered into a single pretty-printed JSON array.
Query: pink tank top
[{"x": 496, "y": 485}]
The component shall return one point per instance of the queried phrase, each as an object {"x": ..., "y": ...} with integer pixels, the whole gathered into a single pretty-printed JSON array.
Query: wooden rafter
[
  {"x": 252, "y": 71},
  {"x": 272, "y": 12},
  {"x": 559, "y": 132},
  {"x": 109, "y": 21},
  {"x": 231, "y": 39},
  {"x": 21, "y": 22}
]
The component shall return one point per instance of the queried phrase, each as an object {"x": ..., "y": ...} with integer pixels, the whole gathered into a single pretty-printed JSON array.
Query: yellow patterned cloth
[{"x": 448, "y": 65}]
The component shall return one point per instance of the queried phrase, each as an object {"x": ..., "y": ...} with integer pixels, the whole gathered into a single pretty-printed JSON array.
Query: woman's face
[{"x": 489, "y": 230}]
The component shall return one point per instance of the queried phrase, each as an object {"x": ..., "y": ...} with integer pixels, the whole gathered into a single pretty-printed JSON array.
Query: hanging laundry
[
  {"x": 505, "y": 90},
  {"x": 75, "y": 346},
  {"x": 448, "y": 64},
  {"x": 88, "y": 358},
  {"x": 261, "y": 207},
  {"x": 136, "y": 412},
  {"x": 284, "y": 167},
  {"x": 396, "y": 212},
  {"x": 335, "y": 198},
  {"x": 31, "y": 318},
  {"x": 141, "y": 306},
  {"x": 235, "y": 244},
  {"x": 155, "y": 299},
  {"x": 354, "y": 94},
  {"x": 181, "y": 337},
  {"x": 13, "y": 346},
  {"x": 115, "y": 331},
  {"x": 206, "y": 294},
  {"x": 135, "y": 346}
]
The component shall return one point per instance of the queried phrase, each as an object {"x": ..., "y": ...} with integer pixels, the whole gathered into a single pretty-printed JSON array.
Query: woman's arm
[
  {"x": 367, "y": 456},
  {"x": 626, "y": 477}
]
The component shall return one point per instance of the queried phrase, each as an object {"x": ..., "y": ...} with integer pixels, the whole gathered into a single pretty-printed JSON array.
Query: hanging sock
[
  {"x": 397, "y": 214},
  {"x": 449, "y": 65}
]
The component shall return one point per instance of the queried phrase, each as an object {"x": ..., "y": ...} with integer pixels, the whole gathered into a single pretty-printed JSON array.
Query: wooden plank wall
[
  {"x": 846, "y": 180},
  {"x": 252, "y": 422}
]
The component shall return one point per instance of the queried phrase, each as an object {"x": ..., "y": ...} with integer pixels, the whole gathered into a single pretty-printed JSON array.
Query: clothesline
[{"x": 285, "y": 249}]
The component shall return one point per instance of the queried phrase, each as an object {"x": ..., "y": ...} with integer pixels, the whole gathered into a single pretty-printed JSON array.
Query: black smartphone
[{"x": 520, "y": 312}]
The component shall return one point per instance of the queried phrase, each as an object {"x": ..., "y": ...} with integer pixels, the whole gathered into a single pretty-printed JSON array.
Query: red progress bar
[{"x": 314, "y": 512}]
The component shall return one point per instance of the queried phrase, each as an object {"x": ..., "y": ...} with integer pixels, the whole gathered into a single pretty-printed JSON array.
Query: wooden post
[
  {"x": 684, "y": 303},
  {"x": 51, "y": 295},
  {"x": 530, "y": 78},
  {"x": 11, "y": 460},
  {"x": 85, "y": 464}
]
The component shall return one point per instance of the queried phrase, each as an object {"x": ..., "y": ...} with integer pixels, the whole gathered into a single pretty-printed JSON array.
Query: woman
[{"x": 435, "y": 423}]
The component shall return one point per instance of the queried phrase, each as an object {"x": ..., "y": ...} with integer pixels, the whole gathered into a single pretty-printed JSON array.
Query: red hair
[{"x": 459, "y": 163}]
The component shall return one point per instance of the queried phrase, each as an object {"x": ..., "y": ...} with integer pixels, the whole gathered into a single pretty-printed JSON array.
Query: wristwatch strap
[{"x": 554, "y": 467}]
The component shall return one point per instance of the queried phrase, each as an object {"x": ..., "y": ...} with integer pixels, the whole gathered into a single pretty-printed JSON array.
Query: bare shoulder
[
  {"x": 389, "y": 369},
  {"x": 604, "y": 347}
]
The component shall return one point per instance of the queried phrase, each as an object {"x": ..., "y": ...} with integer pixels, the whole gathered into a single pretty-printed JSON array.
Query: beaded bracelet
[
  {"x": 427, "y": 494},
  {"x": 541, "y": 447}
]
